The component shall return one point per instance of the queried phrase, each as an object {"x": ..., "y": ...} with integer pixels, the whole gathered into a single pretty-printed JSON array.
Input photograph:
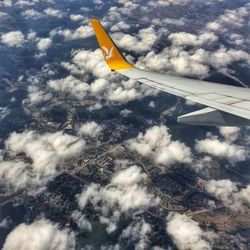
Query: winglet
[{"x": 113, "y": 57}]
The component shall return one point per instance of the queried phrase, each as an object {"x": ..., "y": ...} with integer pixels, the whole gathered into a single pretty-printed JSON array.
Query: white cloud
[
  {"x": 169, "y": 21},
  {"x": 40, "y": 235},
  {"x": 13, "y": 39},
  {"x": 128, "y": 90},
  {"x": 98, "y": 2},
  {"x": 99, "y": 86},
  {"x": 47, "y": 151},
  {"x": 53, "y": 12},
  {"x": 31, "y": 13},
  {"x": 144, "y": 41},
  {"x": 88, "y": 62},
  {"x": 151, "y": 104},
  {"x": 183, "y": 38},
  {"x": 187, "y": 234},
  {"x": 162, "y": 3},
  {"x": 229, "y": 194},
  {"x": 230, "y": 133},
  {"x": 124, "y": 190},
  {"x": 76, "y": 18},
  {"x": 90, "y": 129},
  {"x": 96, "y": 106},
  {"x": 70, "y": 85},
  {"x": 223, "y": 149},
  {"x": 37, "y": 96},
  {"x": 84, "y": 31},
  {"x": 187, "y": 66},
  {"x": 177, "y": 60},
  {"x": 120, "y": 26},
  {"x": 124, "y": 194},
  {"x": 4, "y": 223},
  {"x": 44, "y": 44},
  {"x": 213, "y": 26},
  {"x": 138, "y": 232},
  {"x": 81, "y": 221},
  {"x": 15, "y": 174},
  {"x": 126, "y": 112},
  {"x": 156, "y": 143}
]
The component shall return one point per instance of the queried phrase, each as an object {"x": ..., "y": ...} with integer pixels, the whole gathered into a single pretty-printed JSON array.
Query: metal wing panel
[{"x": 229, "y": 99}]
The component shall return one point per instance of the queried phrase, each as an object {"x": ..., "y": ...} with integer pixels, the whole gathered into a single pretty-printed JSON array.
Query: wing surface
[{"x": 230, "y": 105}]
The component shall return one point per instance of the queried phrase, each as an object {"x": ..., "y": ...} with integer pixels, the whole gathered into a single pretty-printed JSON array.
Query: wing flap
[{"x": 212, "y": 117}]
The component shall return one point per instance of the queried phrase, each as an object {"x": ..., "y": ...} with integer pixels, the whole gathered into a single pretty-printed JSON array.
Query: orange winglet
[{"x": 113, "y": 57}]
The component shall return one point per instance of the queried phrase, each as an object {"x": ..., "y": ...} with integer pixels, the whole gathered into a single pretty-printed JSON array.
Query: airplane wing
[{"x": 226, "y": 105}]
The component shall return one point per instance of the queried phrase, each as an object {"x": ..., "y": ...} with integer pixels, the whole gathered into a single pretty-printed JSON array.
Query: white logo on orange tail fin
[{"x": 108, "y": 53}]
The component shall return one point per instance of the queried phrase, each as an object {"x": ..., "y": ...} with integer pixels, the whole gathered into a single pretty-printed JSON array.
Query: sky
[{"x": 48, "y": 50}]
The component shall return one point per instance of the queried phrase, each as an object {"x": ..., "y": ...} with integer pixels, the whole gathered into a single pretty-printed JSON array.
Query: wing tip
[{"x": 114, "y": 58}]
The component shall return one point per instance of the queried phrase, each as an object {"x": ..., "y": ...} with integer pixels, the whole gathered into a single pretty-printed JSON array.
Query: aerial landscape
[{"x": 90, "y": 159}]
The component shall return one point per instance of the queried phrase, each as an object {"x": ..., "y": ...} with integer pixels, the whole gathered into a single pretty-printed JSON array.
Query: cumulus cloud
[
  {"x": 169, "y": 21},
  {"x": 99, "y": 86},
  {"x": 47, "y": 151},
  {"x": 123, "y": 91},
  {"x": 86, "y": 61},
  {"x": 184, "y": 38},
  {"x": 53, "y": 12},
  {"x": 70, "y": 85},
  {"x": 84, "y": 31},
  {"x": 41, "y": 234},
  {"x": 224, "y": 149},
  {"x": 126, "y": 112},
  {"x": 31, "y": 13},
  {"x": 187, "y": 234},
  {"x": 124, "y": 194},
  {"x": 230, "y": 194},
  {"x": 76, "y": 18},
  {"x": 120, "y": 26},
  {"x": 90, "y": 129},
  {"x": 37, "y": 96},
  {"x": 81, "y": 221},
  {"x": 44, "y": 44},
  {"x": 13, "y": 39},
  {"x": 144, "y": 41},
  {"x": 162, "y": 3},
  {"x": 156, "y": 143},
  {"x": 138, "y": 232},
  {"x": 230, "y": 133},
  {"x": 15, "y": 174}
]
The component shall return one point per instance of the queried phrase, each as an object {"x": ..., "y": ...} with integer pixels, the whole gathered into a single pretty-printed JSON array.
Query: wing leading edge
[{"x": 228, "y": 105}]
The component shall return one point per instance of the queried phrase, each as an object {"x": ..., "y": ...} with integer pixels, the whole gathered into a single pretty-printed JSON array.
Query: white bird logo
[{"x": 109, "y": 53}]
